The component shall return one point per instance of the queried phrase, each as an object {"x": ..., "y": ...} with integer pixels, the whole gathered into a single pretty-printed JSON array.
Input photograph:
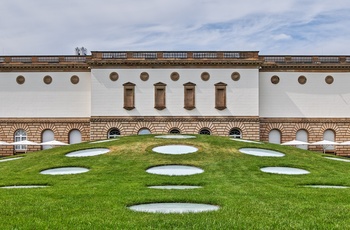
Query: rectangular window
[
  {"x": 189, "y": 97},
  {"x": 220, "y": 96},
  {"x": 159, "y": 96},
  {"x": 129, "y": 96}
]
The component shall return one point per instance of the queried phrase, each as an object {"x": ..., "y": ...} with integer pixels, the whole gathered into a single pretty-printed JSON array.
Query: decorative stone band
[{"x": 249, "y": 126}]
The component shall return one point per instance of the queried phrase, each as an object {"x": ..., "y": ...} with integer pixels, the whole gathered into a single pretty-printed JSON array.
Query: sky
[{"x": 272, "y": 27}]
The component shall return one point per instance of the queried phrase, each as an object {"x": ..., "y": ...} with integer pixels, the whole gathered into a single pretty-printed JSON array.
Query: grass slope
[{"x": 248, "y": 198}]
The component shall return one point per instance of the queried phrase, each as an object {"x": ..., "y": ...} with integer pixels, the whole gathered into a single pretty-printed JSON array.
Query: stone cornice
[
  {"x": 44, "y": 120},
  {"x": 81, "y": 67},
  {"x": 173, "y": 63},
  {"x": 293, "y": 67},
  {"x": 304, "y": 120},
  {"x": 174, "y": 118}
]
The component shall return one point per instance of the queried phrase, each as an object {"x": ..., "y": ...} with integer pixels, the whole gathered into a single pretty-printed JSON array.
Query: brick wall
[
  {"x": 187, "y": 125},
  {"x": 315, "y": 127},
  {"x": 35, "y": 127}
]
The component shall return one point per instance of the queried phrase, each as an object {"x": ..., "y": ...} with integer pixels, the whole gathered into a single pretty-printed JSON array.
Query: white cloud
[
  {"x": 281, "y": 37},
  {"x": 272, "y": 27}
]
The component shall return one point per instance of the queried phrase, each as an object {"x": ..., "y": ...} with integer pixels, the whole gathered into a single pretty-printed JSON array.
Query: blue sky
[{"x": 40, "y": 27}]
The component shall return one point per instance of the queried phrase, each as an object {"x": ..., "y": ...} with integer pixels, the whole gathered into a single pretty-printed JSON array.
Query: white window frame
[
  {"x": 47, "y": 135},
  {"x": 302, "y": 135},
  {"x": 113, "y": 133},
  {"x": 275, "y": 136},
  {"x": 204, "y": 131},
  {"x": 20, "y": 135},
  {"x": 235, "y": 133},
  {"x": 144, "y": 131},
  {"x": 72, "y": 138}
]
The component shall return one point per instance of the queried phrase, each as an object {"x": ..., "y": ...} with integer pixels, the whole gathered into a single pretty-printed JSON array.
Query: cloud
[
  {"x": 272, "y": 27},
  {"x": 281, "y": 37}
]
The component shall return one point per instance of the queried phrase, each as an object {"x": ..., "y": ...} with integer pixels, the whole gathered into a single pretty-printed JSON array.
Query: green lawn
[{"x": 248, "y": 198}]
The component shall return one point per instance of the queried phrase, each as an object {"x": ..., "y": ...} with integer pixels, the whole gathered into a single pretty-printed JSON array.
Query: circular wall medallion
[
  {"x": 174, "y": 76},
  {"x": 47, "y": 79},
  {"x": 235, "y": 76},
  {"x": 74, "y": 79},
  {"x": 302, "y": 80},
  {"x": 275, "y": 79},
  {"x": 144, "y": 76},
  {"x": 20, "y": 80},
  {"x": 205, "y": 76},
  {"x": 329, "y": 79},
  {"x": 114, "y": 76}
]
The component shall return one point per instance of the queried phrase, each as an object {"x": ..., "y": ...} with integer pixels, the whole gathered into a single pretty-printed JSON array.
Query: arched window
[
  {"x": 144, "y": 131},
  {"x": 47, "y": 135},
  {"x": 204, "y": 131},
  {"x": 174, "y": 131},
  {"x": 302, "y": 135},
  {"x": 20, "y": 135},
  {"x": 113, "y": 133},
  {"x": 275, "y": 136},
  {"x": 235, "y": 133},
  {"x": 74, "y": 136},
  {"x": 329, "y": 135}
]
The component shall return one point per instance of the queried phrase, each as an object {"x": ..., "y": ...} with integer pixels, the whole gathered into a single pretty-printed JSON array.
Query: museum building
[{"x": 273, "y": 98}]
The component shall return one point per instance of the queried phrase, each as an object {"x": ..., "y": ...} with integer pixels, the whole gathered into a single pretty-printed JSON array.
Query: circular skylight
[
  {"x": 284, "y": 170},
  {"x": 88, "y": 152},
  {"x": 179, "y": 187},
  {"x": 174, "y": 208},
  {"x": 175, "y": 170},
  {"x": 175, "y": 149},
  {"x": 261, "y": 152},
  {"x": 64, "y": 171},
  {"x": 175, "y": 136}
]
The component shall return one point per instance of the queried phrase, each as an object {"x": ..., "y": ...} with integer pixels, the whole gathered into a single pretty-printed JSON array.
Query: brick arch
[
  {"x": 238, "y": 125},
  {"x": 141, "y": 125},
  {"x": 1, "y": 132},
  {"x": 302, "y": 126},
  {"x": 330, "y": 126},
  {"x": 18, "y": 126},
  {"x": 208, "y": 125},
  {"x": 72, "y": 126},
  {"x": 277, "y": 126},
  {"x": 111, "y": 125},
  {"x": 347, "y": 132},
  {"x": 171, "y": 125},
  {"x": 48, "y": 126}
]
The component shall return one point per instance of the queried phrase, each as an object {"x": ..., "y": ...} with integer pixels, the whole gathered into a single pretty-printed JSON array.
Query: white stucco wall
[
  {"x": 315, "y": 99},
  {"x": 34, "y": 98},
  {"x": 242, "y": 96}
]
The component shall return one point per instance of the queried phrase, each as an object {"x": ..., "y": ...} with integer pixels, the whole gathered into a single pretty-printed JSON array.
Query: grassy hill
[{"x": 248, "y": 198}]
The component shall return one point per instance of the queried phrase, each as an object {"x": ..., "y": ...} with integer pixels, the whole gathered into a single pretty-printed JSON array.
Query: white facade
[
  {"x": 298, "y": 103},
  {"x": 35, "y": 99},
  {"x": 314, "y": 99},
  {"x": 108, "y": 97}
]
